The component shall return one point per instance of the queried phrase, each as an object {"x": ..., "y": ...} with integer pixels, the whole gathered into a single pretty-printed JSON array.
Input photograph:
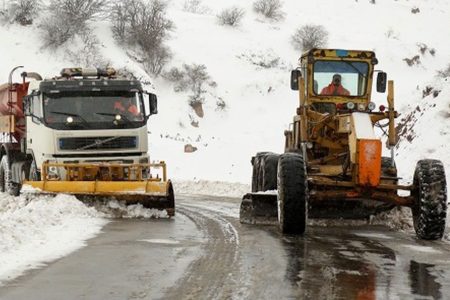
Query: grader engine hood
[{"x": 365, "y": 150}]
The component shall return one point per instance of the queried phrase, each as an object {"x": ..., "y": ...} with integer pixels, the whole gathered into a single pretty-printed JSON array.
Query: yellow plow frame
[{"x": 122, "y": 181}]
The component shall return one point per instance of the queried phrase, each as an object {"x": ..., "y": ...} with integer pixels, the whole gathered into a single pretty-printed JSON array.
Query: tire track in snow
[{"x": 213, "y": 275}]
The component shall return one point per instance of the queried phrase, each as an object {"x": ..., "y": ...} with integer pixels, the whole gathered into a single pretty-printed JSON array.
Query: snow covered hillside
[{"x": 258, "y": 102}]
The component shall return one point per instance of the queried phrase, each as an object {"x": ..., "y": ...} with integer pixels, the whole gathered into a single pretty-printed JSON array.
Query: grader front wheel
[
  {"x": 430, "y": 194},
  {"x": 292, "y": 193}
]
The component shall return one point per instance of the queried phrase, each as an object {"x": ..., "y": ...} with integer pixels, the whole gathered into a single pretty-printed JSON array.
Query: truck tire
[
  {"x": 6, "y": 184},
  {"x": 292, "y": 193},
  {"x": 430, "y": 199}
]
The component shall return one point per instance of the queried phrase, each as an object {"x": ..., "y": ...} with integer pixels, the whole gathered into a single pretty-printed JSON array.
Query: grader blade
[
  {"x": 124, "y": 182},
  {"x": 260, "y": 209}
]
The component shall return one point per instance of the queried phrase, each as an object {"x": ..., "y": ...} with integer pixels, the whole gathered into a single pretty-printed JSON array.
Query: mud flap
[{"x": 260, "y": 209}]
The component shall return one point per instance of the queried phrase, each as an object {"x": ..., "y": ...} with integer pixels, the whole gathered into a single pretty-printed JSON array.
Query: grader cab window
[{"x": 340, "y": 78}]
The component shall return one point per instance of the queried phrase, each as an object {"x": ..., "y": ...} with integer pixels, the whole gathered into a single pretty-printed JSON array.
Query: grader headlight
[{"x": 371, "y": 106}]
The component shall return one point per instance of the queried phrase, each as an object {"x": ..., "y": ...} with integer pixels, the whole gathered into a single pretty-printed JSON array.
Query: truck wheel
[
  {"x": 430, "y": 199},
  {"x": 6, "y": 184},
  {"x": 268, "y": 167},
  {"x": 292, "y": 193}
]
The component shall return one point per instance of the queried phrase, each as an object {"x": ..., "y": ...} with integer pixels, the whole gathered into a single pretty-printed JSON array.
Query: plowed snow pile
[{"x": 35, "y": 230}]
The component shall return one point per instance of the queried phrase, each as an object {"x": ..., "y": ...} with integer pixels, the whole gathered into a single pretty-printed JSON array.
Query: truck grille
[{"x": 96, "y": 143}]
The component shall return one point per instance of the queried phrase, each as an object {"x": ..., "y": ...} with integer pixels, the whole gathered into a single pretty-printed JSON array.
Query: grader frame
[{"x": 332, "y": 166}]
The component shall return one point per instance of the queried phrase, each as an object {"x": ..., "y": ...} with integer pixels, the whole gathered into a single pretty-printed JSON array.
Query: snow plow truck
[
  {"x": 332, "y": 165},
  {"x": 83, "y": 133}
]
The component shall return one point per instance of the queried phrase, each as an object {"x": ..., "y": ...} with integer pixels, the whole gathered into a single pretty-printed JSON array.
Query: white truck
[{"x": 83, "y": 132}]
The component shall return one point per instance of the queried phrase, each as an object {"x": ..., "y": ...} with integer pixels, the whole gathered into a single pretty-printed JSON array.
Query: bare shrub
[
  {"x": 310, "y": 36},
  {"x": 231, "y": 16},
  {"x": 445, "y": 72},
  {"x": 221, "y": 105},
  {"x": 270, "y": 9},
  {"x": 85, "y": 50},
  {"x": 144, "y": 27},
  {"x": 56, "y": 31},
  {"x": 194, "y": 78},
  {"x": 23, "y": 11},
  {"x": 195, "y": 7},
  {"x": 415, "y": 60},
  {"x": 78, "y": 11},
  {"x": 415, "y": 10},
  {"x": 67, "y": 18},
  {"x": 423, "y": 48}
]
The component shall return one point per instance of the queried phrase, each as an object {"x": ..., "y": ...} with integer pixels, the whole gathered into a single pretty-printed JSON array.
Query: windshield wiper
[
  {"x": 86, "y": 123},
  {"x": 122, "y": 117}
]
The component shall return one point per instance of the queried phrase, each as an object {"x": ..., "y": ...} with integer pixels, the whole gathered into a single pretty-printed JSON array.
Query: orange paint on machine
[{"x": 369, "y": 162}]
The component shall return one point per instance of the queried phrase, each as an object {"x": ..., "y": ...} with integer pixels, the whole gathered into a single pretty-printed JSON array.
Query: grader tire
[
  {"x": 268, "y": 173},
  {"x": 292, "y": 193},
  {"x": 256, "y": 174},
  {"x": 430, "y": 194}
]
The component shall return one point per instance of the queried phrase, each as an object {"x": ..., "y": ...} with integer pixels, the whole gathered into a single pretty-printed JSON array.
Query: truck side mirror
[
  {"x": 295, "y": 75},
  {"x": 381, "y": 82},
  {"x": 153, "y": 103}
]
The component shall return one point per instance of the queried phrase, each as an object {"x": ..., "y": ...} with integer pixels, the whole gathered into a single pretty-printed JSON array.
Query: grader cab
[{"x": 332, "y": 166}]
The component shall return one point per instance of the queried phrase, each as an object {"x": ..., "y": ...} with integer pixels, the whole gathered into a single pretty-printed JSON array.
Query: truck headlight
[{"x": 350, "y": 105}]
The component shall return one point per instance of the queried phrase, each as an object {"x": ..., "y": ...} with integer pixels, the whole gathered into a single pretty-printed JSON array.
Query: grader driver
[{"x": 332, "y": 166}]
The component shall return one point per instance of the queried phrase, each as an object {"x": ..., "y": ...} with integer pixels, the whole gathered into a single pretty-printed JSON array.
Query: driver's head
[{"x": 336, "y": 79}]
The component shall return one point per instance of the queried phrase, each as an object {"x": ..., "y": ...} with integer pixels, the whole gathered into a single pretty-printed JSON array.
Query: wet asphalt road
[{"x": 205, "y": 253}]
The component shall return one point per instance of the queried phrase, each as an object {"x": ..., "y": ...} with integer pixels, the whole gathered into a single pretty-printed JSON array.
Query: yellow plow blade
[
  {"x": 104, "y": 188},
  {"x": 151, "y": 193}
]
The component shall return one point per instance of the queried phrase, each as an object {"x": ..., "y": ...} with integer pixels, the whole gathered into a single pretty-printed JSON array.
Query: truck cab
[{"x": 87, "y": 115}]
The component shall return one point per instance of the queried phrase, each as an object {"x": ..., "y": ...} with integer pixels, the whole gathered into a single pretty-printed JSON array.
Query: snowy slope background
[{"x": 259, "y": 103}]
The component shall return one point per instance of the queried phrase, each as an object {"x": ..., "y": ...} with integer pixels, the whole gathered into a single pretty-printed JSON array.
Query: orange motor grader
[{"x": 332, "y": 165}]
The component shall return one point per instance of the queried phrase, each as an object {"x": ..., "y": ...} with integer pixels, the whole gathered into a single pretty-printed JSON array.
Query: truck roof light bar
[{"x": 87, "y": 72}]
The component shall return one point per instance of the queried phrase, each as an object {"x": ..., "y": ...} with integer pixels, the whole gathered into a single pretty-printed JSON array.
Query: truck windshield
[
  {"x": 93, "y": 110},
  {"x": 340, "y": 78}
]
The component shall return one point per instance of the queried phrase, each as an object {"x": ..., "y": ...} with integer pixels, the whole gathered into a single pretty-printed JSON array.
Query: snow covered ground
[
  {"x": 34, "y": 231},
  {"x": 259, "y": 104}
]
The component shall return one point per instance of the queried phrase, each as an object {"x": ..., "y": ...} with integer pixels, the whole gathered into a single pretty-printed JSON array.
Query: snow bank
[
  {"x": 35, "y": 230},
  {"x": 118, "y": 209},
  {"x": 211, "y": 188}
]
